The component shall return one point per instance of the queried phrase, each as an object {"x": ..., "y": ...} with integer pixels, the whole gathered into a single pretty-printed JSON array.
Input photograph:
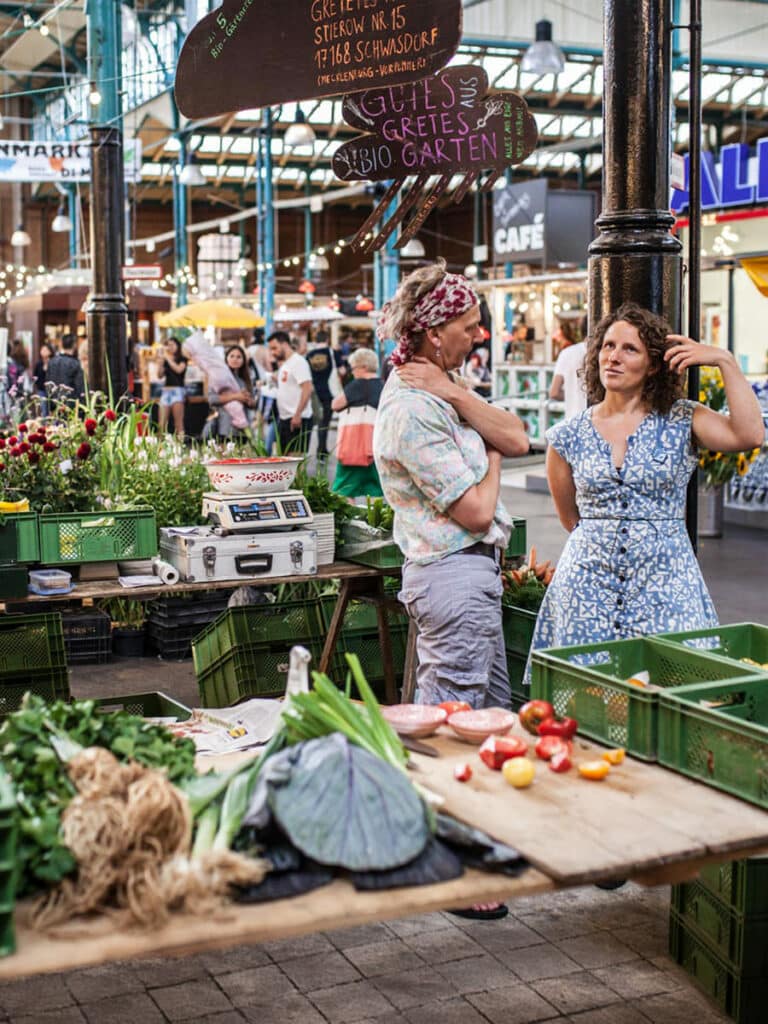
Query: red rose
[
  {"x": 23, "y": 448},
  {"x": 23, "y": 428},
  {"x": 2, "y": 443},
  {"x": 15, "y": 452},
  {"x": 90, "y": 427},
  {"x": 35, "y": 438},
  {"x": 13, "y": 439},
  {"x": 83, "y": 451},
  {"x": 48, "y": 447},
  {"x": 110, "y": 415},
  {"x": 34, "y": 458}
]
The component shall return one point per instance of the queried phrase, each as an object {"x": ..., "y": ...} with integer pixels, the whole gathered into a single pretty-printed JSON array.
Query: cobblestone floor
[{"x": 584, "y": 956}]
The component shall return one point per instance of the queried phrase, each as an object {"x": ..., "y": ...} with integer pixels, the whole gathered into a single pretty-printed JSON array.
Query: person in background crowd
[
  {"x": 568, "y": 378},
  {"x": 364, "y": 389},
  {"x": 438, "y": 450},
  {"x": 322, "y": 365},
  {"x": 65, "y": 371},
  {"x": 294, "y": 394},
  {"x": 40, "y": 375},
  {"x": 266, "y": 374},
  {"x": 516, "y": 345},
  {"x": 478, "y": 374},
  {"x": 82, "y": 355},
  {"x": 171, "y": 369},
  {"x": 618, "y": 473},
  {"x": 18, "y": 374},
  {"x": 237, "y": 361}
]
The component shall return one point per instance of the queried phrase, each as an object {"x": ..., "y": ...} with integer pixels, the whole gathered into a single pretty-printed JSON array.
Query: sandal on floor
[{"x": 482, "y": 915}]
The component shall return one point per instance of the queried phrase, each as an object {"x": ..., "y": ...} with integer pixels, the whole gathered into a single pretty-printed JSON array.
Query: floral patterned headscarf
[{"x": 450, "y": 298}]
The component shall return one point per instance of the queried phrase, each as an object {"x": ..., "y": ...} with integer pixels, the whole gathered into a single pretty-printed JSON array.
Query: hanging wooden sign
[
  {"x": 252, "y": 53},
  {"x": 443, "y": 125}
]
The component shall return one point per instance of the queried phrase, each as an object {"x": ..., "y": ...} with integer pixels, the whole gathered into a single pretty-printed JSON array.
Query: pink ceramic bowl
[
  {"x": 253, "y": 476},
  {"x": 414, "y": 720},
  {"x": 476, "y": 726}
]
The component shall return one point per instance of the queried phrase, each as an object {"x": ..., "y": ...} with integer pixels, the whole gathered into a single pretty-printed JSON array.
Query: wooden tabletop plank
[
  {"x": 640, "y": 818},
  {"x": 337, "y": 905}
]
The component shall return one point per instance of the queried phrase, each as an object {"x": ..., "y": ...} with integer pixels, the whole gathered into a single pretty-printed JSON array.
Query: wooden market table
[
  {"x": 643, "y": 823},
  {"x": 358, "y": 582}
]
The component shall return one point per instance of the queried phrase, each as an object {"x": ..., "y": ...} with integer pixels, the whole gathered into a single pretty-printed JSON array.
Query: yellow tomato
[
  {"x": 614, "y": 756},
  {"x": 518, "y": 771},
  {"x": 595, "y": 770}
]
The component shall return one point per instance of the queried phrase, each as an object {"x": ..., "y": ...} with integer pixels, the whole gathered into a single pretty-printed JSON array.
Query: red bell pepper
[
  {"x": 498, "y": 749},
  {"x": 462, "y": 772},
  {"x": 560, "y": 762},
  {"x": 549, "y": 746},
  {"x": 563, "y": 727}
]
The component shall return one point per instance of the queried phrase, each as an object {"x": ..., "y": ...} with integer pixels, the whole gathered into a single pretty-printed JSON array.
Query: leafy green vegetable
[
  {"x": 342, "y": 805},
  {"x": 43, "y": 789},
  {"x": 528, "y": 595}
]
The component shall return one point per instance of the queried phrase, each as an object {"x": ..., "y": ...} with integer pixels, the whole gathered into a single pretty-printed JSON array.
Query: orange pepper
[
  {"x": 595, "y": 770},
  {"x": 614, "y": 756}
]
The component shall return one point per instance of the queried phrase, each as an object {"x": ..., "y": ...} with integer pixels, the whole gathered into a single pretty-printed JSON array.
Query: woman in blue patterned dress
[{"x": 618, "y": 474}]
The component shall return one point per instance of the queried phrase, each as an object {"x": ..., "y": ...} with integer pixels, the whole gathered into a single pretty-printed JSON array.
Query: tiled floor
[{"x": 583, "y": 956}]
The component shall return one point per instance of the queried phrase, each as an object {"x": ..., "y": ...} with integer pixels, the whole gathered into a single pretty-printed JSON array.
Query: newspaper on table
[{"x": 226, "y": 730}]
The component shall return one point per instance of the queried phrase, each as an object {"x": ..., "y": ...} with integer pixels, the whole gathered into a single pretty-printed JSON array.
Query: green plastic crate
[
  {"x": 146, "y": 705},
  {"x": 736, "y": 642},
  {"x": 725, "y": 746},
  {"x": 518, "y": 625},
  {"x": 9, "y": 862},
  {"x": 259, "y": 670},
  {"x": 518, "y": 539},
  {"x": 743, "y": 999},
  {"x": 387, "y": 557},
  {"x": 29, "y": 643},
  {"x": 296, "y": 622},
  {"x": 75, "y": 537},
  {"x": 14, "y": 581},
  {"x": 741, "y": 940},
  {"x": 50, "y": 684},
  {"x": 19, "y": 538},
  {"x": 588, "y": 682},
  {"x": 741, "y": 884},
  {"x": 7, "y": 931}
]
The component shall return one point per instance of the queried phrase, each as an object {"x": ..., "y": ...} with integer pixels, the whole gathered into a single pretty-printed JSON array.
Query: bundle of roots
[{"x": 129, "y": 830}]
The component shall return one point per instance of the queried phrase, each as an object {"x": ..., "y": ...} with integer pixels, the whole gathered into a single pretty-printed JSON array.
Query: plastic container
[
  {"x": 742, "y": 998},
  {"x": 87, "y": 636},
  {"x": 19, "y": 538},
  {"x": 589, "y": 683},
  {"x": 146, "y": 705},
  {"x": 71, "y": 538},
  {"x": 30, "y": 643},
  {"x": 13, "y": 582},
  {"x": 259, "y": 670},
  {"x": 518, "y": 625},
  {"x": 51, "y": 684},
  {"x": 50, "y": 581},
  {"x": 295, "y": 622},
  {"x": 741, "y": 884},
  {"x": 725, "y": 746},
  {"x": 518, "y": 543},
  {"x": 739, "y": 939},
  {"x": 736, "y": 642},
  {"x": 128, "y": 643}
]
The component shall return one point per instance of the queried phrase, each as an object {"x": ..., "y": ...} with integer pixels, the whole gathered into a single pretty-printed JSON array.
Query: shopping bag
[{"x": 354, "y": 446}]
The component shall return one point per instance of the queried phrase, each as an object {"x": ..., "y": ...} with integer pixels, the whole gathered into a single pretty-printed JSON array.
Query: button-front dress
[{"x": 628, "y": 568}]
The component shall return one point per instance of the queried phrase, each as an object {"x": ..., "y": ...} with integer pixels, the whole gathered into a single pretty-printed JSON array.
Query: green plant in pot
[{"x": 129, "y": 618}]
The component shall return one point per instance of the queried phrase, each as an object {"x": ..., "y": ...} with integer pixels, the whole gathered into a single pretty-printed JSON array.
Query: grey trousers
[{"x": 456, "y": 605}]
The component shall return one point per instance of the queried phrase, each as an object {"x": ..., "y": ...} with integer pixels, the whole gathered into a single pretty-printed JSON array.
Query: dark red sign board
[
  {"x": 440, "y": 125},
  {"x": 255, "y": 53}
]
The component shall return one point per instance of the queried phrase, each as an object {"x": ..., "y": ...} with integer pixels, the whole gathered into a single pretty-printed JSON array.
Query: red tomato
[
  {"x": 548, "y": 746},
  {"x": 498, "y": 749},
  {"x": 450, "y": 706},
  {"x": 533, "y": 714},
  {"x": 462, "y": 772},
  {"x": 560, "y": 762}
]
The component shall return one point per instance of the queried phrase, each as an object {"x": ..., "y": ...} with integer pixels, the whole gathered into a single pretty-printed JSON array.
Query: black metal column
[
  {"x": 106, "y": 313},
  {"x": 635, "y": 257}
]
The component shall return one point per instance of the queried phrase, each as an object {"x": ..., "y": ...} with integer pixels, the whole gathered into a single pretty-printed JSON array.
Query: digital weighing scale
[{"x": 233, "y": 513}]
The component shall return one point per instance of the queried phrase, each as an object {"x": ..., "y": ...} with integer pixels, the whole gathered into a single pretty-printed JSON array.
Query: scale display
[{"x": 244, "y": 512}]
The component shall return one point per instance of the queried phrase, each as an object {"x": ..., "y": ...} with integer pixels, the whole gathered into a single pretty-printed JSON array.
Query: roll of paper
[{"x": 168, "y": 573}]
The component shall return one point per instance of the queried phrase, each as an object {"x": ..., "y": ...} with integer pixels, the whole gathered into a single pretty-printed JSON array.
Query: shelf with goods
[{"x": 524, "y": 390}]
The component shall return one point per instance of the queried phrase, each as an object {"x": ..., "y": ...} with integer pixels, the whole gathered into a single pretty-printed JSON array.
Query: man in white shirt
[
  {"x": 294, "y": 393},
  {"x": 568, "y": 383}
]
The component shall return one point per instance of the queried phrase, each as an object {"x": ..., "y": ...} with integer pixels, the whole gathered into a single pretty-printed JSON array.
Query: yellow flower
[
  {"x": 742, "y": 464},
  {"x": 718, "y": 456},
  {"x": 702, "y": 396}
]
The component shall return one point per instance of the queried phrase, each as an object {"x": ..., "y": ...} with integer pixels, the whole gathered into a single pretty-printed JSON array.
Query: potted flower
[
  {"x": 716, "y": 469},
  {"x": 129, "y": 618}
]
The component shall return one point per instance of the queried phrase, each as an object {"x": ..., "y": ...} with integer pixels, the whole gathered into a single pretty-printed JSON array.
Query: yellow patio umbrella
[
  {"x": 211, "y": 313},
  {"x": 757, "y": 268}
]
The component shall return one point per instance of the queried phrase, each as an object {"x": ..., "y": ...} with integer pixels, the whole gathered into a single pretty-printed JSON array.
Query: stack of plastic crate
[
  {"x": 718, "y": 931},
  {"x": 174, "y": 621},
  {"x": 32, "y": 657},
  {"x": 19, "y": 546},
  {"x": 8, "y": 864},
  {"x": 245, "y": 651}
]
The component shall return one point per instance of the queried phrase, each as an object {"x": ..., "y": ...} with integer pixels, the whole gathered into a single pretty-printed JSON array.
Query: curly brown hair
[{"x": 662, "y": 386}]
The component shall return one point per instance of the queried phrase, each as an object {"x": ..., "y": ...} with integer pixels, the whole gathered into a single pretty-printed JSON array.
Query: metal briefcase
[{"x": 204, "y": 555}]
